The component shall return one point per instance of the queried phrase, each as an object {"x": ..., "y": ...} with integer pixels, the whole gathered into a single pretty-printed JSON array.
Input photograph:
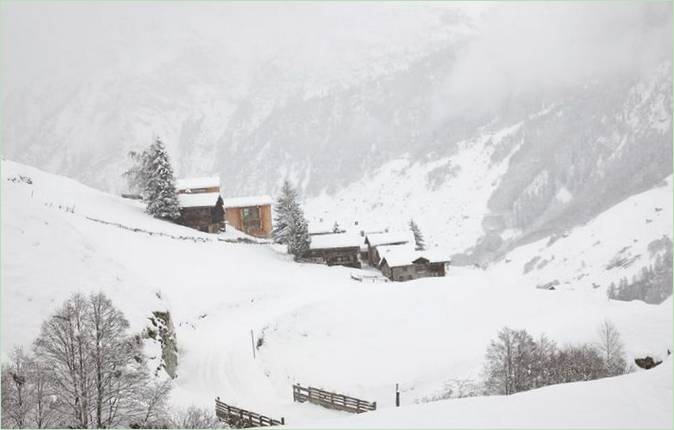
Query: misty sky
[{"x": 512, "y": 45}]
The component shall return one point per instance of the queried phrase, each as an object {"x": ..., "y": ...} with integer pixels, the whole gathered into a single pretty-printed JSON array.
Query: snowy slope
[
  {"x": 643, "y": 400},
  {"x": 318, "y": 326},
  {"x": 614, "y": 245}
]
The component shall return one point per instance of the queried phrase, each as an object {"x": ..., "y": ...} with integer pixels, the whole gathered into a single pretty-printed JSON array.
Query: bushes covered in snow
[{"x": 517, "y": 362}]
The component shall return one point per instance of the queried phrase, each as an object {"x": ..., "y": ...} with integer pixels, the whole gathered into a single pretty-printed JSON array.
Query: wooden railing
[
  {"x": 241, "y": 418},
  {"x": 331, "y": 400}
]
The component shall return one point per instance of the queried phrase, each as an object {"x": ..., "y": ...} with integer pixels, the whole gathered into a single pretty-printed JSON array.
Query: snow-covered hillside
[
  {"x": 318, "y": 326},
  {"x": 633, "y": 401},
  {"x": 356, "y": 107}
]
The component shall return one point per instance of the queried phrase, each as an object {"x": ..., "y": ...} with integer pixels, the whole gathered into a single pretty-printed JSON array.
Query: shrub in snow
[
  {"x": 160, "y": 187},
  {"x": 518, "y": 362},
  {"x": 86, "y": 371},
  {"x": 195, "y": 418}
]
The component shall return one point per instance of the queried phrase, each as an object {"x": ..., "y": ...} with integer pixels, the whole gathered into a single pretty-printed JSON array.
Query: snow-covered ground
[
  {"x": 643, "y": 400},
  {"x": 319, "y": 327}
]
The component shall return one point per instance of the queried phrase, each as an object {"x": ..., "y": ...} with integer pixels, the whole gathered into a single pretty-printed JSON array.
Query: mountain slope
[{"x": 310, "y": 317}]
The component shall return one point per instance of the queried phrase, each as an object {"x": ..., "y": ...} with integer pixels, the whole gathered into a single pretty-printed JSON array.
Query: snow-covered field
[{"x": 321, "y": 328}]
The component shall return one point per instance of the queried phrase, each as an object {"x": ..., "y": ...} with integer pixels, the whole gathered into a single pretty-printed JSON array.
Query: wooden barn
[
  {"x": 402, "y": 263},
  {"x": 202, "y": 211},
  {"x": 251, "y": 215},
  {"x": 209, "y": 184},
  {"x": 375, "y": 240},
  {"x": 336, "y": 249}
]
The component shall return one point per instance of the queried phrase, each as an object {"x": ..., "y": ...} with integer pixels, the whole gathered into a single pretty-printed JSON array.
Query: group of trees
[
  {"x": 653, "y": 285},
  {"x": 290, "y": 225},
  {"x": 84, "y": 370},
  {"x": 515, "y": 361},
  {"x": 151, "y": 176}
]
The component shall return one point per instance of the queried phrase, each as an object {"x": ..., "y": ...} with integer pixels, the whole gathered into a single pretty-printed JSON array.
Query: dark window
[{"x": 251, "y": 217}]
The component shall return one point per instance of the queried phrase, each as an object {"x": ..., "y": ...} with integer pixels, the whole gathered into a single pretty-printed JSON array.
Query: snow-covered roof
[
  {"x": 242, "y": 202},
  {"x": 403, "y": 255},
  {"x": 393, "y": 237},
  {"x": 193, "y": 183},
  {"x": 398, "y": 255},
  {"x": 317, "y": 227},
  {"x": 198, "y": 200},
  {"x": 335, "y": 240}
]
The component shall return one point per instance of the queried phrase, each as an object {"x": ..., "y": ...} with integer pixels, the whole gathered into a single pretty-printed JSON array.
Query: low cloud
[{"x": 530, "y": 48}]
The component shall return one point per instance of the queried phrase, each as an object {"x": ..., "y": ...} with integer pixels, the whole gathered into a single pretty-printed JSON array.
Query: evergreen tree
[
  {"x": 160, "y": 188},
  {"x": 418, "y": 237},
  {"x": 298, "y": 232},
  {"x": 137, "y": 175},
  {"x": 285, "y": 204}
]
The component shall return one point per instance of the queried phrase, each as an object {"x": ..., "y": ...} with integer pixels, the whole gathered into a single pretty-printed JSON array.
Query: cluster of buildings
[
  {"x": 393, "y": 253},
  {"x": 203, "y": 208}
]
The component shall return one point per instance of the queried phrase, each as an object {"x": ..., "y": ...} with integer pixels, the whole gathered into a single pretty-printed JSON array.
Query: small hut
[
  {"x": 375, "y": 240},
  {"x": 202, "y": 211},
  {"x": 337, "y": 249},
  {"x": 402, "y": 263}
]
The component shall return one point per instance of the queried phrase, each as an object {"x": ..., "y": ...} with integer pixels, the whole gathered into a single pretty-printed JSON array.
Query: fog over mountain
[{"x": 566, "y": 106}]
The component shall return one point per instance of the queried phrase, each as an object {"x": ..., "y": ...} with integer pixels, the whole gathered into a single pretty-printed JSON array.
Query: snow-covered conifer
[
  {"x": 298, "y": 232},
  {"x": 285, "y": 204},
  {"x": 418, "y": 237},
  {"x": 160, "y": 188}
]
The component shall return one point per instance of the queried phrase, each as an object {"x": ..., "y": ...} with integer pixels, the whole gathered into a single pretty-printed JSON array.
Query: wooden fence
[
  {"x": 241, "y": 418},
  {"x": 331, "y": 400}
]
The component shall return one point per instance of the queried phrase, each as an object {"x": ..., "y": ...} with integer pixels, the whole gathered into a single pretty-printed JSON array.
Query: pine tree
[
  {"x": 137, "y": 175},
  {"x": 160, "y": 188},
  {"x": 285, "y": 204},
  {"x": 298, "y": 232},
  {"x": 418, "y": 237}
]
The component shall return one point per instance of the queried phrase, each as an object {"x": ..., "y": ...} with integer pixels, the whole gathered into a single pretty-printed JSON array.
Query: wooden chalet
[
  {"x": 251, "y": 215},
  {"x": 375, "y": 240},
  {"x": 209, "y": 184},
  {"x": 336, "y": 249},
  {"x": 202, "y": 211},
  {"x": 402, "y": 263}
]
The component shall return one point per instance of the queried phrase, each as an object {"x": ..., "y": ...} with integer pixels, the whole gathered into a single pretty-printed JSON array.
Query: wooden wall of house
[
  {"x": 198, "y": 218},
  {"x": 413, "y": 271},
  {"x": 208, "y": 219},
  {"x": 234, "y": 218},
  {"x": 336, "y": 256}
]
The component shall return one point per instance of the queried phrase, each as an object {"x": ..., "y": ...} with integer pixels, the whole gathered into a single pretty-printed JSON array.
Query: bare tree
[
  {"x": 16, "y": 394},
  {"x": 612, "y": 350},
  {"x": 98, "y": 371}
]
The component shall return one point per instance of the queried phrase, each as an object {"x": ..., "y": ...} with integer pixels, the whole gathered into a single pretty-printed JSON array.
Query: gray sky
[{"x": 515, "y": 45}]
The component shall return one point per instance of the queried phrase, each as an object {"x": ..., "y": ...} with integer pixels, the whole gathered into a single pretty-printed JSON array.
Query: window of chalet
[{"x": 251, "y": 217}]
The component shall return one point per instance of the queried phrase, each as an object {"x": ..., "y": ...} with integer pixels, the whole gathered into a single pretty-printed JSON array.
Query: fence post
[
  {"x": 397, "y": 397},
  {"x": 252, "y": 340},
  {"x": 374, "y": 406},
  {"x": 283, "y": 421}
]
